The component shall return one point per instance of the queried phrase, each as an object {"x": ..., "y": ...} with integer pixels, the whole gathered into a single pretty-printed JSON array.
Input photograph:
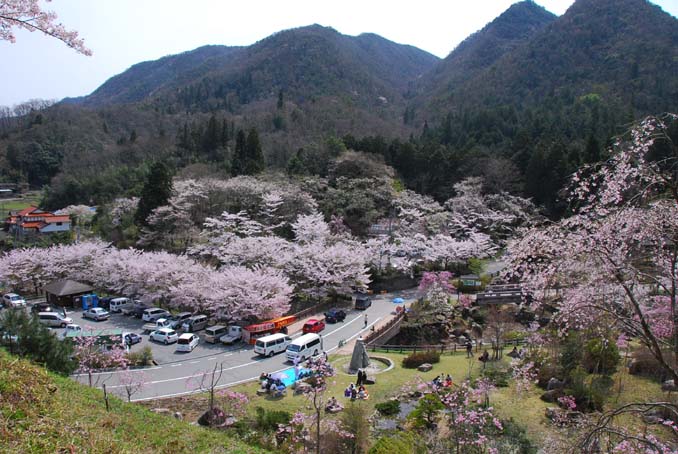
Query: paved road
[{"x": 184, "y": 376}]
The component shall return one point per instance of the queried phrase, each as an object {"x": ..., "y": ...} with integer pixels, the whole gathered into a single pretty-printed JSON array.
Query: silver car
[
  {"x": 12, "y": 300},
  {"x": 96, "y": 313}
]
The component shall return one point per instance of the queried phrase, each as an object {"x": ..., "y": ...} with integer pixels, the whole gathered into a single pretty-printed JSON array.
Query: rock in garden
[
  {"x": 161, "y": 411},
  {"x": 178, "y": 415},
  {"x": 552, "y": 395},
  {"x": 425, "y": 367},
  {"x": 554, "y": 383},
  {"x": 669, "y": 385}
]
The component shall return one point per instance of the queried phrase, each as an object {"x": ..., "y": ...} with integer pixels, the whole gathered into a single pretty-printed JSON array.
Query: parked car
[
  {"x": 134, "y": 308},
  {"x": 313, "y": 326},
  {"x": 70, "y": 328},
  {"x": 233, "y": 335},
  {"x": 194, "y": 323},
  {"x": 131, "y": 339},
  {"x": 154, "y": 313},
  {"x": 165, "y": 335},
  {"x": 363, "y": 302},
  {"x": 335, "y": 315},
  {"x": 52, "y": 319},
  {"x": 12, "y": 300},
  {"x": 96, "y": 313},
  {"x": 42, "y": 307},
  {"x": 214, "y": 333},
  {"x": 117, "y": 304},
  {"x": 178, "y": 319},
  {"x": 187, "y": 342},
  {"x": 270, "y": 345},
  {"x": 105, "y": 302}
]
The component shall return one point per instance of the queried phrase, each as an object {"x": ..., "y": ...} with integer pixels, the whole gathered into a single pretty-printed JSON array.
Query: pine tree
[
  {"x": 255, "y": 156},
  {"x": 156, "y": 192},
  {"x": 239, "y": 156},
  {"x": 592, "y": 150}
]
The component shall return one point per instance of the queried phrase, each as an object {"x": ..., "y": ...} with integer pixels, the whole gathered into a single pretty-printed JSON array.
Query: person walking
[
  {"x": 365, "y": 321},
  {"x": 469, "y": 349}
]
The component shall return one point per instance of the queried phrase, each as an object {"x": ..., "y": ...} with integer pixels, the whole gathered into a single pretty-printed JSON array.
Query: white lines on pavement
[
  {"x": 356, "y": 334},
  {"x": 154, "y": 382},
  {"x": 225, "y": 385},
  {"x": 212, "y": 358},
  {"x": 111, "y": 372},
  {"x": 344, "y": 325},
  {"x": 228, "y": 354},
  {"x": 175, "y": 365},
  {"x": 194, "y": 362}
]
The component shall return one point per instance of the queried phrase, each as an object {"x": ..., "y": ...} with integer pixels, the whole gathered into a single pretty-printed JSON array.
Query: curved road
[{"x": 239, "y": 364}]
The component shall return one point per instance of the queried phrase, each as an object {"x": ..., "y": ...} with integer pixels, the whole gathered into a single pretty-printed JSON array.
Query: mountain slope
[
  {"x": 507, "y": 32},
  {"x": 623, "y": 50}
]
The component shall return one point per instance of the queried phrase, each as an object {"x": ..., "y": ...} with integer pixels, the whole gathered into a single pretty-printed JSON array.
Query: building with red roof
[{"x": 34, "y": 220}]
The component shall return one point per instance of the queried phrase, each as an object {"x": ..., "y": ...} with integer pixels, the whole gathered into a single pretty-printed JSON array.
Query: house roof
[
  {"x": 469, "y": 276},
  {"x": 66, "y": 287},
  {"x": 32, "y": 225}
]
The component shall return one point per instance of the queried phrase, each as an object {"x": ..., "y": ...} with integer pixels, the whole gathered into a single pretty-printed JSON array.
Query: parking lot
[{"x": 162, "y": 354}]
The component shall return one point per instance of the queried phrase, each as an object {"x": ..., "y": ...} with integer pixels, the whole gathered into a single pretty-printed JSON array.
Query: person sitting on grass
[{"x": 354, "y": 394}]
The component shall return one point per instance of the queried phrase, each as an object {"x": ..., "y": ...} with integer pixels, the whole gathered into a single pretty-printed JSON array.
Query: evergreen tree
[
  {"x": 224, "y": 133},
  {"x": 239, "y": 156},
  {"x": 156, "y": 192},
  {"x": 592, "y": 150},
  {"x": 255, "y": 156},
  {"x": 212, "y": 138},
  {"x": 281, "y": 101},
  {"x": 133, "y": 136}
]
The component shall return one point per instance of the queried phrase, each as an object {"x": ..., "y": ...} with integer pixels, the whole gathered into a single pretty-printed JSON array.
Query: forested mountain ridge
[
  {"x": 511, "y": 29},
  {"x": 303, "y": 63},
  {"x": 522, "y": 103}
]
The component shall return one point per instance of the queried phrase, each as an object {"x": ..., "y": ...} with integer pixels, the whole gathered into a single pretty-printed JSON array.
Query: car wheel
[
  {"x": 315, "y": 353},
  {"x": 63, "y": 325},
  {"x": 270, "y": 354},
  {"x": 166, "y": 342}
]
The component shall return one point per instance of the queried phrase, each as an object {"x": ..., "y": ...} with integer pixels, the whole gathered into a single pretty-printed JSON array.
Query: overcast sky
[{"x": 124, "y": 32}]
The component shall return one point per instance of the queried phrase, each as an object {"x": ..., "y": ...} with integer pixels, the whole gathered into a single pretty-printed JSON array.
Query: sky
[{"x": 122, "y": 33}]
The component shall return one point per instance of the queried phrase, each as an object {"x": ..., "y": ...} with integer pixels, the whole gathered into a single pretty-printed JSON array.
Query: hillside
[
  {"x": 625, "y": 51},
  {"x": 43, "y": 412},
  {"x": 507, "y": 32}
]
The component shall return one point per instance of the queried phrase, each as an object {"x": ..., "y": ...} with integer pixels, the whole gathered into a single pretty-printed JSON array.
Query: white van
[
  {"x": 304, "y": 347},
  {"x": 116, "y": 304},
  {"x": 270, "y": 345}
]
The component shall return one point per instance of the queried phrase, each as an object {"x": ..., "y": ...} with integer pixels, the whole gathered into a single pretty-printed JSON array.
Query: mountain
[
  {"x": 479, "y": 51},
  {"x": 303, "y": 63},
  {"x": 625, "y": 51}
]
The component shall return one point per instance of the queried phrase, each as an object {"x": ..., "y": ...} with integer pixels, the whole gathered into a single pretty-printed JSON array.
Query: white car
[
  {"x": 154, "y": 313},
  {"x": 70, "y": 328},
  {"x": 165, "y": 335},
  {"x": 187, "y": 342},
  {"x": 13, "y": 300},
  {"x": 96, "y": 313}
]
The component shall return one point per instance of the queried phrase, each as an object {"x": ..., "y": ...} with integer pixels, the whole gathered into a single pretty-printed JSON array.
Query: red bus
[{"x": 251, "y": 333}]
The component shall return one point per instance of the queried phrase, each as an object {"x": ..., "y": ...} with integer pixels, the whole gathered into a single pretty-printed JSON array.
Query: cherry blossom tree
[
  {"x": 616, "y": 256},
  {"x": 29, "y": 15}
]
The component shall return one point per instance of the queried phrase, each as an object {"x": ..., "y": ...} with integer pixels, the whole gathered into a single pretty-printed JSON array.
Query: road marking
[
  {"x": 355, "y": 335},
  {"x": 155, "y": 382},
  {"x": 228, "y": 354},
  {"x": 175, "y": 365},
  {"x": 111, "y": 372},
  {"x": 344, "y": 325},
  {"x": 212, "y": 358},
  {"x": 194, "y": 362}
]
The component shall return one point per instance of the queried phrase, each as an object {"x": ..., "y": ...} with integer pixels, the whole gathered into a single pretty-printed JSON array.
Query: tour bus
[
  {"x": 304, "y": 347},
  {"x": 270, "y": 345}
]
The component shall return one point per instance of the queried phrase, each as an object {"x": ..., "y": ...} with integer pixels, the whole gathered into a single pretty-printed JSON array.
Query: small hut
[{"x": 65, "y": 292}]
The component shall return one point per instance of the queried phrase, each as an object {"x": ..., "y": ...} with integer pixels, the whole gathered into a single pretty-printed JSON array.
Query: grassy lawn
[
  {"x": 42, "y": 412},
  {"x": 17, "y": 204}
]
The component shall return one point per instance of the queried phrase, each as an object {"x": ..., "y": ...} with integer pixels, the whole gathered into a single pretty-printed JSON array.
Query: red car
[{"x": 313, "y": 326}]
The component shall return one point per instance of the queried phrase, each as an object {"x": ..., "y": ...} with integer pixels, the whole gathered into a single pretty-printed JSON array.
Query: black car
[
  {"x": 42, "y": 307},
  {"x": 105, "y": 302},
  {"x": 132, "y": 338},
  {"x": 335, "y": 315},
  {"x": 363, "y": 302}
]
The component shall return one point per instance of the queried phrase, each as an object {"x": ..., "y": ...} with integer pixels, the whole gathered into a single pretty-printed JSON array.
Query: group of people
[
  {"x": 333, "y": 406},
  {"x": 515, "y": 353},
  {"x": 444, "y": 381},
  {"x": 271, "y": 385},
  {"x": 356, "y": 392}
]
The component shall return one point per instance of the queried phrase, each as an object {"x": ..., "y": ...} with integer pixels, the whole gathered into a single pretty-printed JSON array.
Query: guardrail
[
  {"x": 442, "y": 348},
  {"x": 390, "y": 329}
]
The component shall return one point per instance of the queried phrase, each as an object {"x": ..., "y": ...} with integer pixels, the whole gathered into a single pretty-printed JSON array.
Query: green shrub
[
  {"x": 143, "y": 357},
  {"x": 388, "y": 408},
  {"x": 515, "y": 336},
  {"x": 571, "y": 352},
  {"x": 268, "y": 421},
  {"x": 514, "y": 439},
  {"x": 415, "y": 360},
  {"x": 402, "y": 443},
  {"x": 427, "y": 411},
  {"x": 497, "y": 374},
  {"x": 601, "y": 356},
  {"x": 589, "y": 397}
]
